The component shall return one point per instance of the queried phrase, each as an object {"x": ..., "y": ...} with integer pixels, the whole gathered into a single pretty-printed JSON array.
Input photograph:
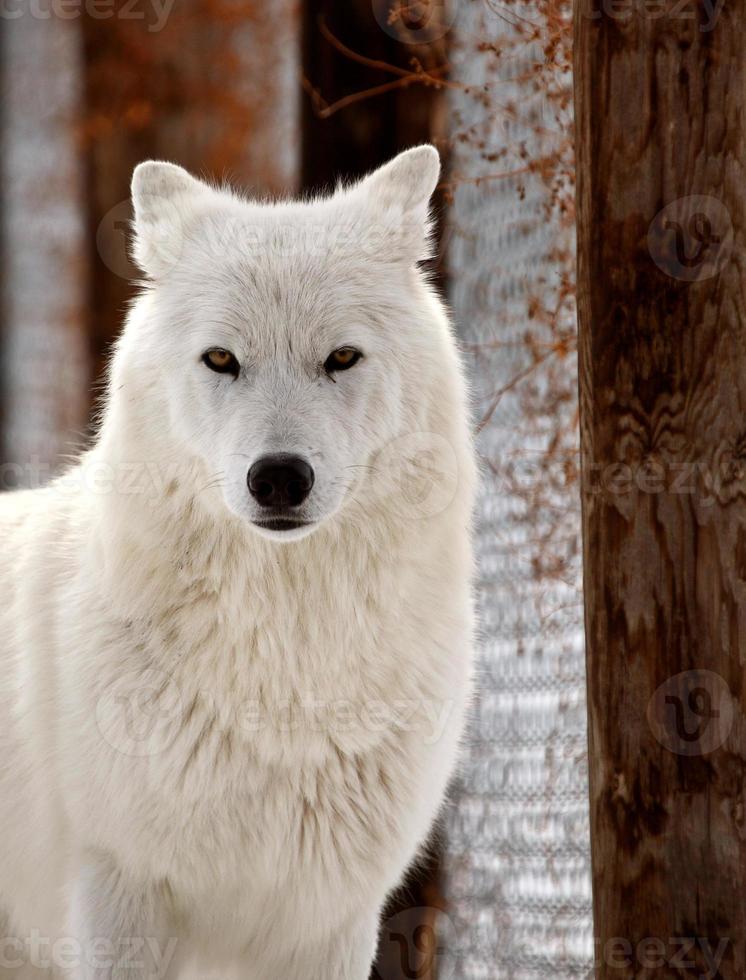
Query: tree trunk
[
  {"x": 361, "y": 107},
  {"x": 44, "y": 370},
  {"x": 661, "y": 150},
  {"x": 372, "y": 71}
]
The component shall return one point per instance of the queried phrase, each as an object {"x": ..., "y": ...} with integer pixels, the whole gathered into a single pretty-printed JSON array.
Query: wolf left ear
[
  {"x": 163, "y": 197},
  {"x": 398, "y": 195}
]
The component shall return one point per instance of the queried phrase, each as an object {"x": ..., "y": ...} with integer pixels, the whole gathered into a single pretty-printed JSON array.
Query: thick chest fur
[{"x": 286, "y": 738}]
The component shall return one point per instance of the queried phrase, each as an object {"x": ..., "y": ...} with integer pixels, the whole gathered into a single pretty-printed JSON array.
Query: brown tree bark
[
  {"x": 370, "y": 72},
  {"x": 661, "y": 151}
]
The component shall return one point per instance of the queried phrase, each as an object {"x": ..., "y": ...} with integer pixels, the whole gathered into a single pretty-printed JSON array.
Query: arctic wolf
[{"x": 235, "y": 639}]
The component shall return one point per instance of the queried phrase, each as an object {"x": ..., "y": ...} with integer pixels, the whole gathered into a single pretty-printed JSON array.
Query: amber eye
[
  {"x": 222, "y": 361},
  {"x": 342, "y": 359}
]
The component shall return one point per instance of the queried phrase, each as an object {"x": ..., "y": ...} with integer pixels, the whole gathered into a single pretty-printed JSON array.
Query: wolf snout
[{"x": 280, "y": 481}]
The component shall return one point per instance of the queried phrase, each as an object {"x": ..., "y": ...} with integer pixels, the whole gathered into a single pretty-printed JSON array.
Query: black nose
[{"x": 280, "y": 481}]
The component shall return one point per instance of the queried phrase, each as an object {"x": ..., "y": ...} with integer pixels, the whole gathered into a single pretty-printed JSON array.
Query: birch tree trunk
[
  {"x": 44, "y": 365},
  {"x": 661, "y": 151}
]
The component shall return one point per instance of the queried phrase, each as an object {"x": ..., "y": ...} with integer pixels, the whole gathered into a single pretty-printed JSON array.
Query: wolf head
[{"x": 286, "y": 346}]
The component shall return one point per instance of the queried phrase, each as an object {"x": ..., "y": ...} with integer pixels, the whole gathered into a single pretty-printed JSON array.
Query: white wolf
[{"x": 235, "y": 640}]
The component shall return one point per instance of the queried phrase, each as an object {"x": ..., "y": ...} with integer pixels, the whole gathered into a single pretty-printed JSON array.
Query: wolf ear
[
  {"x": 163, "y": 196},
  {"x": 398, "y": 194}
]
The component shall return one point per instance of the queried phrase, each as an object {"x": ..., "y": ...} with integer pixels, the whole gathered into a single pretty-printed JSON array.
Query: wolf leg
[
  {"x": 121, "y": 927},
  {"x": 347, "y": 955},
  {"x": 15, "y": 956}
]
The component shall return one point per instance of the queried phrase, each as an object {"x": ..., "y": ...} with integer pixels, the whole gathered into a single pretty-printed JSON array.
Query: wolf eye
[
  {"x": 342, "y": 359},
  {"x": 221, "y": 361}
]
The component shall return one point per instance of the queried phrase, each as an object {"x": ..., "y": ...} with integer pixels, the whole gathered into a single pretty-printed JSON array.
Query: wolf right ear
[
  {"x": 399, "y": 195},
  {"x": 163, "y": 196}
]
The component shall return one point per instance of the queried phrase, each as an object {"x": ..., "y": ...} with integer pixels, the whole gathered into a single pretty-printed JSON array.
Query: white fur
[{"x": 234, "y": 739}]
